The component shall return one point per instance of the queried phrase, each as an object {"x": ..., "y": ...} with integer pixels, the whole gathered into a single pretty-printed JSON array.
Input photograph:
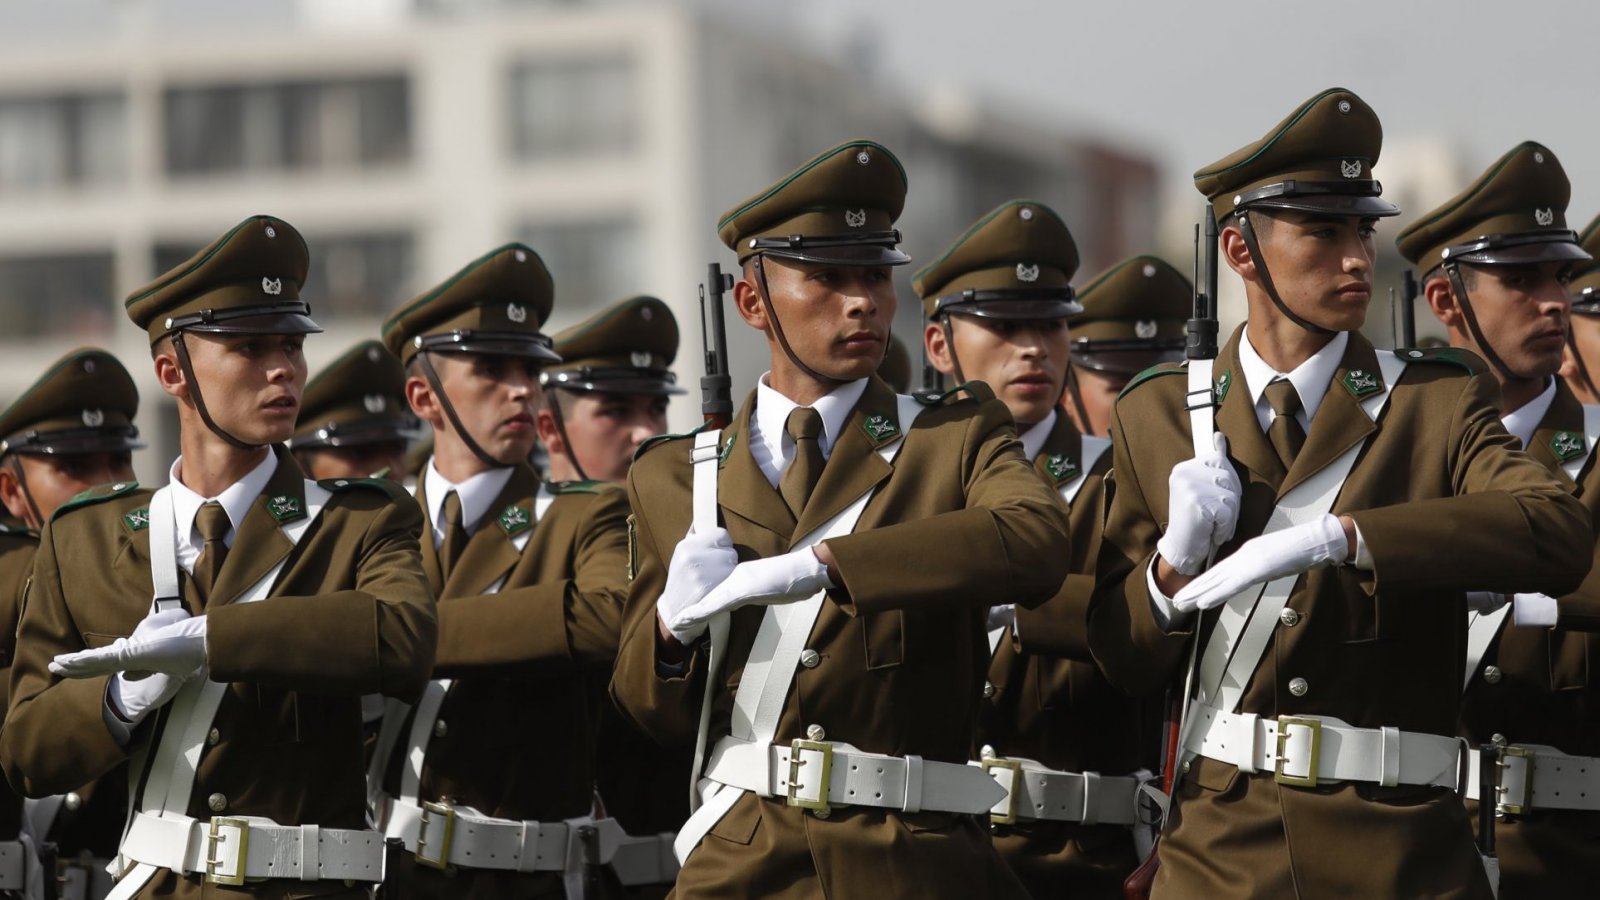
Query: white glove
[
  {"x": 1261, "y": 559},
  {"x": 133, "y": 700},
  {"x": 171, "y": 642},
  {"x": 776, "y": 579},
  {"x": 700, "y": 562},
  {"x": 1002, "y": 616},
  {"x": 1202, "y": 508},
  {"x": 1534, "y": 610},
  {"x": 1484, "y": 602}
]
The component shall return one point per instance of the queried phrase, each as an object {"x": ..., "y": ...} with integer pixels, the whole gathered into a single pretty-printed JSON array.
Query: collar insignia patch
[
  {"x": 285, "y": 508},
  {"x": 1566, "y": 445},
  {"x": 880, "y": 428},
  {"x": 138, "y": 520},
  {"x": 1060, "y": 466},
  {"x": 1220, "y": 391},
  {"x": 1360, "y": 383},
  {"x": 514, "y": 520}
]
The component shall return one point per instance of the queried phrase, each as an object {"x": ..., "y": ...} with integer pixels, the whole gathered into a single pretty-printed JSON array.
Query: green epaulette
[
  {"x": 1456, "y": 356},
  {"x": 582, "y": 487},
  {"x": 1148, "y": 374},
  {"x": 390, "y": 489},
  {"x": 665, "y": 438},
  {"x": 95, "y": 495}
]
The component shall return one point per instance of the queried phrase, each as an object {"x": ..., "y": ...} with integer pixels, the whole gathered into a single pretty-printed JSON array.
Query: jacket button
[
  {"x": 1492, "y": 674},
  {"x": 72, "y": 800},
  {"x": 1299, "y": 686},
  {"x": 217, "y": 802},
  {"x": 213, "y": 737},
  {"x": 815, "y": 733},
  {"x": 1289, "y": 617},
  {"x": 440, "y": 728},
  {"x": 810, "y": 658},
  {"x": 988, "y": 689}
]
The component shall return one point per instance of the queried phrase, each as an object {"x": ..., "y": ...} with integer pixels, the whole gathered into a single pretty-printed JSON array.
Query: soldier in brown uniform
[
  {"x": 606, "y": 397},
  {"x": 1064, "y": 743},
  {"x": 877, "y": 530},
  {"x": 1581, "y": 363},
  {"x": 68, "y": 432},
  {"x": 354, "y": 421},
  {"x": 1496, "y": 260},
  {"x": 1320, "y": 750},
  {"x": 277, "y": 603},
  {"x": 490, "y": 778}
]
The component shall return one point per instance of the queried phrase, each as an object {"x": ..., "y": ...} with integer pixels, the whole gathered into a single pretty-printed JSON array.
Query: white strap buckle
[{"x": 216, "y": 837}]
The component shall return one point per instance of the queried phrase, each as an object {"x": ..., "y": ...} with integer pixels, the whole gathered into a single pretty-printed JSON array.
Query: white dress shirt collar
[
  {"x": 1310, "y": 379},
  {"x": 236, "y": 500},
  {"x": 476, "y": 494},
  {"x": 1033, "y": 439},
  {"x": 770, "y": 443},
  {"x": 1524, "y": 421}
]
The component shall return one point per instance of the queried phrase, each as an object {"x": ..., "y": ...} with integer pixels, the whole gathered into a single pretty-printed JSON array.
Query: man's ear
[
  {"x": 1235, "y": 252},
  {"x": 11, "y": 492},
  {"x": 419, "y": 394},
  {"x": 933, "y": 337},
  {"x": 1441, "y": 300},
  {"x": 747, "y": 301},
  {"x": 169, "y": 374},
  {"x": 544, "y": 421}
]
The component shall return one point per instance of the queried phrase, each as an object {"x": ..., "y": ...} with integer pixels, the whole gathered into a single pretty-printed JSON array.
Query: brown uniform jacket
[
  {"x": 1445, "y": 503},
  {"x": 520, "y": 718},
  {"x": 350, "y": 614},
  {"x": 17, "y": 547},
  {"x": 1041, "y": 705},
  {"x": 1547, "y": 695},
  {"x": 959, "y": 522}
]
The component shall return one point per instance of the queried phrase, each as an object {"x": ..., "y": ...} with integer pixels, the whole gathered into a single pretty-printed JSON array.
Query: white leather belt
[
  {"x": 1537, "y": 777},
  {"x": 444, "y": 836},
  {"x": 266, "y": 849},
  {"x": 819, "y": 775},
  {"x": 13, "y": 865},
  {"x": 1035, "y": 791},
  {"x": 646, "y": 859},
  {"x": 1304, "y": 751}
]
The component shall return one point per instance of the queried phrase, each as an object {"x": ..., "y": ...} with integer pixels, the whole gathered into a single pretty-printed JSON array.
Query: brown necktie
[
  {"x": 212, "y": 521},
  {"x": 1285, "y": 433},
  {"x": 455, "y": 536},
  {"x": 805, "y": 427}
]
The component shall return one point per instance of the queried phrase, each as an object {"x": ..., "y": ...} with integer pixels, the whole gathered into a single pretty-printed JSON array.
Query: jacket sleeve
[
  {"x": 377, "y": 637},
  {"x": 558, "y": 625},
  {"x": 1580, "y": 610},
  {"x": 1060, "y": 625}
]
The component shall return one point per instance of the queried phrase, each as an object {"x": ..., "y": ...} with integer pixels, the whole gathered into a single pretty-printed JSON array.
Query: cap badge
[
  {"x": 284, "y": 508},
  {"x": 514, "y": 520},
  {"x": 1544, "y": 217},
  {"x": 93, "y": 418},
  {"x": 272, "y": 286},
  {"x": 1060, "y": 466},
  {"x": 1344, "y": 106},
  {"x": 1350, "y": 168},
  {"x": 1149, "y": 270},
  {"x": 1145, "y": 329},
  {"x": 272, "y": 232},
  {"x": 880, "y": 428},
  {"x": 521, "y": 255},
  {"x": 375, "y": 403},
  {"x": 855, "y": 218},
  {"x": 1027, "y": 273},
  {"x": 88, "y": 366},
  {"x": 639, "y": 360},
  {"x": 517, "y": 314},
  {"x": 646, "y": 313},
  {"x": 1566, "y": 444},
  {"x": 1026, "y": 214},
  {"x": 863, "y": 157},
  {"x": 1360, "y": 382}
]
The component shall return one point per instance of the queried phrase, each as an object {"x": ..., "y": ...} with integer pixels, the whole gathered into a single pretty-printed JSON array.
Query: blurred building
[{"x": 406, "y": 137}]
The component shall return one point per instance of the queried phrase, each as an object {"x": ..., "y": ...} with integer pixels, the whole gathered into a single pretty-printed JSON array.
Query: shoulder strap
[
  {"x": 704, "y": 458},
  {"x": 1202, "y": 405}
]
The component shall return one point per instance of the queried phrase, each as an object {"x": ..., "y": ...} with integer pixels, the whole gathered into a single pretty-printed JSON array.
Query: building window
[
  {"x": 563, "y": 108},
  {"x": 59, "y": 141},
  {"x": 58, "y": 296},
  {"x": 583, "y": 260},
  {"x": 288, "y": 126},
  {"x": 352, "y": 275}
]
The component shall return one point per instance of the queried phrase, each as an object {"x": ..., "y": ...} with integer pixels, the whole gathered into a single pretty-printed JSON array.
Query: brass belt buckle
[
  {"x": 1527, "y": 756},
  {"x": 1008, "y": 817},
  {"x": 820, "y": 804},
  {"x": 441, "y": 860},
  {"x": 214, "y": 836},
  {"x": 1310, "y": 778}
]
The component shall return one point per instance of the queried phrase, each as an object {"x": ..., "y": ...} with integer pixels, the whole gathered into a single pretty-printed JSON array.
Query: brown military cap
[
  {"x": 896, "y": 366},
  {"x": 1134, "y": 315},
  {"x": 1016, "y": 262},
  {"x": 1319, "y": 159},
  {"x": 627, "y": 348},
  {"x": 1585, "y": 286},
  {"x": 360, "y": 398},
  {"x": 84, "y": 403},
  {"x": 1516, "y": 212},
  {"x": 495, "y": 305},
  {"x": 838, "y": 208},
  {"x": 246, "y": 282}
]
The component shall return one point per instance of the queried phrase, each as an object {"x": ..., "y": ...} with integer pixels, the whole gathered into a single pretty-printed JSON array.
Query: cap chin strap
[
  {"x": 181, "y": 350},
  {"x": 1577, "y": 360},
  {"x": 950, "y": 344},
  {"x": 777, "y": 329},
  {"x": 1077, "y": 397},
  {"x": 22, "y": 482},
  {"x": 1453, "y": 271},
  {"x": 1248, "y": 231},
  {"x": 561, "y": 429},
  {"x": 425, "y": 357}
]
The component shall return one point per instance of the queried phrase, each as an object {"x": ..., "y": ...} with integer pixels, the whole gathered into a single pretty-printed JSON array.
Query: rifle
[
  {"x": 1488, "y": 803},
  {"x": 716, "y": 387},
  {"x": 1201, "y": 330},
  {"x": 1408, "y": 309}
]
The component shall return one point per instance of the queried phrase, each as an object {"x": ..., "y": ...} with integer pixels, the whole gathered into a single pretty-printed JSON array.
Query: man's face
[
  {"x": 1586, "y": 337},
  {"x": 1024, "y": 361},
  {"x": 604, "y": 430},
  {"x": 363, "y": 461},
  {"x": 495, "y": 398},
  {"x": 1098, "y": 391},
  {"x": 836, "y": 318},
  {"x": 251, "y": 384},
  {"x": 1320, "y": 265},
  {"x": 53, "y": 480},
  {"x": 1523, "y": 311}
]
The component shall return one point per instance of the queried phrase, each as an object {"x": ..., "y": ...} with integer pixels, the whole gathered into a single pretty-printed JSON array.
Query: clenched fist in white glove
[
  {"x": 171, "y": 642},
  {"x": 1202, "y": 508},
  {"x": 1534, "y": 611},
  {"x": 1261, "y": 559},
  {"x": 777, "y": 579},
  {"x": 701, "y": 561}
]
